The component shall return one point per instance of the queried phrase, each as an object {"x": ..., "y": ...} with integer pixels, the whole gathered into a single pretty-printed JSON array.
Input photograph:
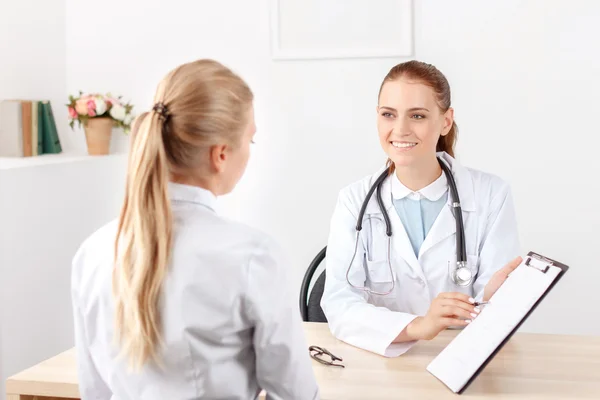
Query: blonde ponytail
[
  {"x": 198, "y": 104},
  {"x": 142, "y": 253}
]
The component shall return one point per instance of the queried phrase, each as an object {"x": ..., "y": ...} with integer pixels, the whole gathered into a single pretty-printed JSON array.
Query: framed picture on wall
[{"x": 322, "y": 29}]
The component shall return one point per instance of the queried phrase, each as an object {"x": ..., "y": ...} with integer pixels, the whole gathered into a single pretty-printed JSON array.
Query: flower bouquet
[{"x": 98, "y": 114}]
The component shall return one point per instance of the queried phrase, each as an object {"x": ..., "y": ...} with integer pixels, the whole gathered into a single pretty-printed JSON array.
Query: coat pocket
[{"x": 381, "y": 279}]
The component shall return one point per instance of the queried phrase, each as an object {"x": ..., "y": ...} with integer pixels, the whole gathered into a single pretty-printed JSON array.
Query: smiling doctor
[{"x": 415, "y": 245}]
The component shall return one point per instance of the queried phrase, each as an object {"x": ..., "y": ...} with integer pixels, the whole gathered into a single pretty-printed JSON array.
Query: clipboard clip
[{"x": 538, "y": 262}]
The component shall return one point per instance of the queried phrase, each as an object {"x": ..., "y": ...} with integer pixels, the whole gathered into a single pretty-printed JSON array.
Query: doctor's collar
[
  {"x": 462, "y": 176},
  {"x": 432, "y": 192}
]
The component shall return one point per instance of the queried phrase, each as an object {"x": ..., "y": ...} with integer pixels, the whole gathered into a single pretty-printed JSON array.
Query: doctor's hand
[
  {"x": 446, "y": 310},
  {"x": 499, "y": 277}
]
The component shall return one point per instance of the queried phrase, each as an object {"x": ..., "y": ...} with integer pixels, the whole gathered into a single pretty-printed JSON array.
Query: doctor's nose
[{"x": 401, "y": 128}]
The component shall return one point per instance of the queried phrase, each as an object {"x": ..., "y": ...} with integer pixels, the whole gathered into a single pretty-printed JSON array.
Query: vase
[{"x": 98, "y": 133}]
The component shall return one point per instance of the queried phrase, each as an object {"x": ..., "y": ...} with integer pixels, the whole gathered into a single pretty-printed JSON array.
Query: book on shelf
[{"x": 27, "y": 129}]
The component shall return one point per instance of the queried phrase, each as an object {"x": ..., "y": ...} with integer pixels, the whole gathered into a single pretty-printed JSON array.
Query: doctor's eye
[
  {"x": 387, "y": 114},
  {"x": 417, "y": 116}
]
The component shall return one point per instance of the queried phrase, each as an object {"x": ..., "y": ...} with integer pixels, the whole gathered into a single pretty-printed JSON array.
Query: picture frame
[{"x": 398, "y": 42}]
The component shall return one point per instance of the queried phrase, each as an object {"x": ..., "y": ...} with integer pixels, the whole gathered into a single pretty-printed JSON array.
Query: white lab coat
[
  {"x": 372, "y": 322},
  {"x": 228, "y": 327}
]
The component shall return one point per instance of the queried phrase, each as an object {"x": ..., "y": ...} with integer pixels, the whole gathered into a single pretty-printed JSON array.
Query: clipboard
[{"x": 451, "y": 365}]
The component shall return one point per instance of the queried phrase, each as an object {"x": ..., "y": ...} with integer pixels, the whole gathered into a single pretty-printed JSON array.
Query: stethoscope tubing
[{"x": 461, "y": 253}]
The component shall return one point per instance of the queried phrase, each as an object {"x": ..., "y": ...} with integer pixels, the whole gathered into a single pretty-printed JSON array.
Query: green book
[
  {"x": 40, "y": 139},
  {"x": 50, "y": 141}
]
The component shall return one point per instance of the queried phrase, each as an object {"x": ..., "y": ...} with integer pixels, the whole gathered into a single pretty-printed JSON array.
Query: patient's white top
[{"x": 230, "y": 326}]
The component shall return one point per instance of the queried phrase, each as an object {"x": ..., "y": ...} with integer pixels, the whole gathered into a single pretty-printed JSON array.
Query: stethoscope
[{"x": 461, "y": 275}]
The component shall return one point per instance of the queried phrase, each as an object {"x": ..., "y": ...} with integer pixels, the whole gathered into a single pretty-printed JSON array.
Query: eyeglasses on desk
[{"x": 317, "y": 352}]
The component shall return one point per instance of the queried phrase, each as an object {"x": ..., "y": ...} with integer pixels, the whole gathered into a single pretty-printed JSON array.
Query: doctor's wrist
[
  {"x": 413, "y": 329},
  {"x": 410, "y": 332}
]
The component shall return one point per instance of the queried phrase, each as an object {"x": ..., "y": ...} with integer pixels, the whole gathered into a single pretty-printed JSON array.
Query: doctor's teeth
[{"x": 403, "y": 145}]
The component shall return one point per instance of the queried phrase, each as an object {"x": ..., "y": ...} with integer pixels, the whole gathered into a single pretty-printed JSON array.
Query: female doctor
[
  {"x": 172, "y": 300},
  {"x": 399, "y": 270}
]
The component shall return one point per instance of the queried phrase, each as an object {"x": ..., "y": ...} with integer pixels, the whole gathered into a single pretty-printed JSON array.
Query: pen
[{"x": 483, "y": 303}]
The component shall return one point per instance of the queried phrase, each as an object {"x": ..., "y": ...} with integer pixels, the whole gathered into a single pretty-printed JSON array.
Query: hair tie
[{"x": 161, "y": 109}]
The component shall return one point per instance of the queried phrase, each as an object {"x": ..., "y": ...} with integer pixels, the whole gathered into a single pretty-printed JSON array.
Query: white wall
[
  {"x": 33, "y": 55},
  {"x": 48, "y": 212},
  {"x": 32, "y": 66},
  {"x": 525, "y": 77}
]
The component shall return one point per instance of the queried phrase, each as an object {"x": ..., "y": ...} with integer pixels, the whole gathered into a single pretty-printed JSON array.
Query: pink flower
[
  {"x": 72, "y": 113},
  {"x": 91, "y": 108},
  {"x": 81, "y": 106}
]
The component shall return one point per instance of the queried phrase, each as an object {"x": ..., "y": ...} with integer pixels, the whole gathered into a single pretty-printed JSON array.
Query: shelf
[{"x": 48, "y": 159}]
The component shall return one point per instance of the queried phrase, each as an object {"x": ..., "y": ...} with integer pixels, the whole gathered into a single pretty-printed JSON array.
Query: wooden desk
[
  {"x": 530, "y": 366},
  {"x": 53, "y": 379}
]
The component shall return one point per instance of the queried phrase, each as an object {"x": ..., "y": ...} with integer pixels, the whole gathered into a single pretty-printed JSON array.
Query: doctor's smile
[{"x": 404, "y": 145}]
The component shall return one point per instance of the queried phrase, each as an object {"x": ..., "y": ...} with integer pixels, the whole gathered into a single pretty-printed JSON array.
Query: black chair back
[{"x": 310, "y": 305}]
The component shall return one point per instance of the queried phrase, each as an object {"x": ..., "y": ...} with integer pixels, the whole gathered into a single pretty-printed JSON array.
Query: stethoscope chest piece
[{"x": 461, "y": 275}]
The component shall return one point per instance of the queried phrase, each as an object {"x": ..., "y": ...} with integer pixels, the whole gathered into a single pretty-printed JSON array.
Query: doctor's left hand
[{"x": 499, "y": 277}]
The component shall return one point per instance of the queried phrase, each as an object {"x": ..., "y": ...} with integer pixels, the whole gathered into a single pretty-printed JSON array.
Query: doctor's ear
[{"x": 448, "y": 121}]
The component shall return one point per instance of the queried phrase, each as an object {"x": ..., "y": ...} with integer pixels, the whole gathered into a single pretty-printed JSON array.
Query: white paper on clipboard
[{"x": 457, "y": 364}]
